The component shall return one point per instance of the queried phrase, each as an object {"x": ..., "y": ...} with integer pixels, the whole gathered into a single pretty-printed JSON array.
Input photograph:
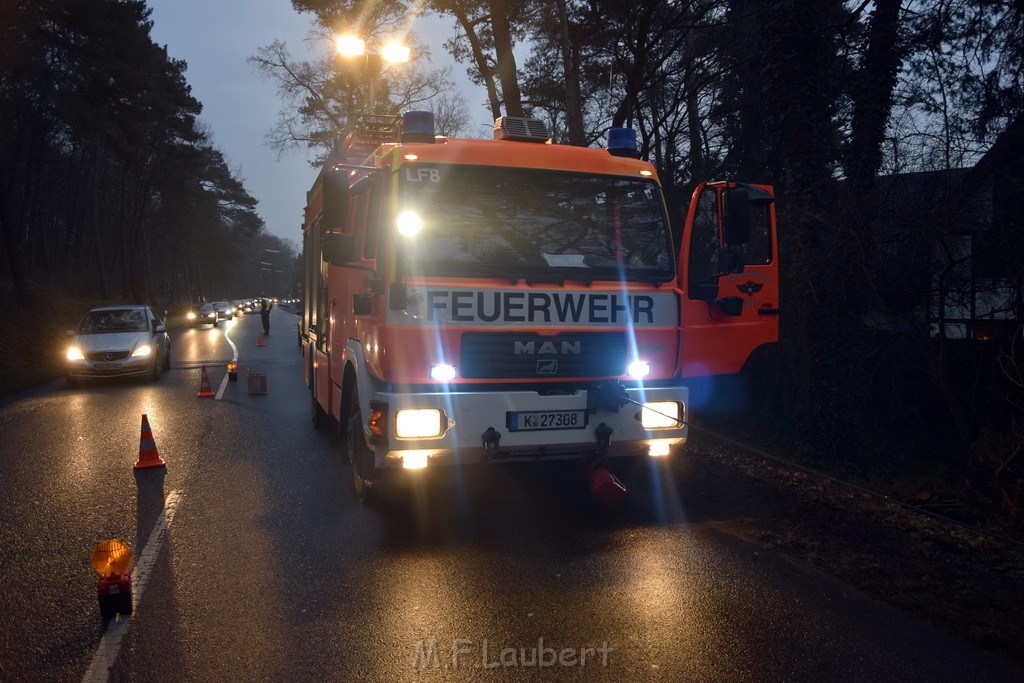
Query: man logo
[
  {"x": 547, "y": 367},
  {"x": 750, "y": 288}
]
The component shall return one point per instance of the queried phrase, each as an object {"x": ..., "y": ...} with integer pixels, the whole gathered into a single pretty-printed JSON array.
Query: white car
[
  {"x": 118, "y": 341},
  {"x": 223, "y": 309}
]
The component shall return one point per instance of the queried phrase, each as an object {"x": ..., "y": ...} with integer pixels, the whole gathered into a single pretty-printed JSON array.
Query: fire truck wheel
[
  {"x": 316, "y": 412},
  {"x": 365, "y": 475}
]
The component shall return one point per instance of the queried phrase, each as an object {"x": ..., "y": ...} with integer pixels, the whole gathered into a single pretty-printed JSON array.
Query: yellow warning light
[
  {"x": 111, "y": 557},
  {"x": 232, "y": 366}
]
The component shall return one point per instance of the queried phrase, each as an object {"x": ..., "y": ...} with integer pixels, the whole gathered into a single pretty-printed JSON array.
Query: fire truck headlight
[
  {"x": 421, "y": 423},
  {"x": 661, "y": 415},
  {"x": 639, "y": 369},
  {"x": 142, "y": 351},
  {"x": 75, "y": 353},
  {"x": 443, "y": 372},
  {"x": 409, "y": 223}
]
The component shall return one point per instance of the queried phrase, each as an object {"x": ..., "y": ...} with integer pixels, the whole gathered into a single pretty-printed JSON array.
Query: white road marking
[
  {"x": 234, "y": 359},
  {"x": 117, "y": 628}
]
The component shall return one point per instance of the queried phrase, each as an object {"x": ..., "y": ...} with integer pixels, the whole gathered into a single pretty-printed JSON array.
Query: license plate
[
  {"x": 546, "y": 419},
  {"x": 115, "y": 365}
]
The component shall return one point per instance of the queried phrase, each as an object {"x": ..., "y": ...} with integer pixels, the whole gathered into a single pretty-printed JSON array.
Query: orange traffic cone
[
  {"x": 259, "y": 340},
  {"x": 148, "y": 455},
  {"x": 204, "y": 386}
]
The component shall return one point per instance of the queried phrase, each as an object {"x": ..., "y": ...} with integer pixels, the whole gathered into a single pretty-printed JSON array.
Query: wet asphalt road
[{"x": 270, "y": 570}]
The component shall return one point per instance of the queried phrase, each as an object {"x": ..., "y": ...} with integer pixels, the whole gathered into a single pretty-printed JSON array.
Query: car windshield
[
  {"x": 532, "y": 223},
  {"x": 121, "y": 320}
]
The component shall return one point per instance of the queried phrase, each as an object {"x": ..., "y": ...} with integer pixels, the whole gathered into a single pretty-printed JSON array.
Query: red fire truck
[{"x": 512, "y": 299}]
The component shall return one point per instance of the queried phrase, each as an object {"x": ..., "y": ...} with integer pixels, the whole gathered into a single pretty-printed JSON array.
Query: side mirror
[
  {"x": 161, "y": 328},
  {"x": 339, "y": 248},
  {"x": 335, "y": 196},
  {"x": 736, "y": 219}
]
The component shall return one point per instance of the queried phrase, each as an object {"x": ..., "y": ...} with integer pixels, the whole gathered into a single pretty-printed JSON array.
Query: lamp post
[{"x": 350, "y": 47}]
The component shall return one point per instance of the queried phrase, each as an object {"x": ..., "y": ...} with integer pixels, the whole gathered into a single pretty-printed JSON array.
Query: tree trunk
[
  {"x": 505, "y": 58},
  {"x": 480, "y": 59},
  {"x": 872, "y": 93},
  {"x": 18, "y": 280},
  {"x": 571, "y": 67}
]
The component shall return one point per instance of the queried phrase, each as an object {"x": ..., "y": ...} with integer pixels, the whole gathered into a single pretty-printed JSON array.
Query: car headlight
[
  {"x": 191, "y": 315},
  {"x": 75, "y": 353},
  {"x": 142, "y": 351}
]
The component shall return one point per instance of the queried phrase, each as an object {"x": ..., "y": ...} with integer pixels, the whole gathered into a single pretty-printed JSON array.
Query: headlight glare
[
  {"x": 639, "y": 369},
  {"x": 142, "y": 351},
  {"x": 415, "y": 460},
  {"x": 661, "y": 415},
  {"x": 420, "y": 423},
  {"x": 409, "y": 223},
  {"x": 75, "y": 353},
  {"x": 442, "y": 372}
]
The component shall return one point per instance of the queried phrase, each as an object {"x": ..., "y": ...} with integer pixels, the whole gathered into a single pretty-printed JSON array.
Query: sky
[{"x": 215, "y": 38}]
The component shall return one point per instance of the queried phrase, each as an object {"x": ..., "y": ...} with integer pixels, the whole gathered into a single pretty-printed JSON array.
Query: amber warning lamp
[
  {"x": 110, "y": 558},
  {"x": 232, "y": 371}
]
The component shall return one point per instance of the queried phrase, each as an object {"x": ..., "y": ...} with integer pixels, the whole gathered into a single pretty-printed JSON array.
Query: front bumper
[
  {"x": 480, "y": 427},
  {"x": 129, "y": 367}
]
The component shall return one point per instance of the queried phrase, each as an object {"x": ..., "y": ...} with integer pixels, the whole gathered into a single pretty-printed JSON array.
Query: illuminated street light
[
  {"x": 393, "y": 52},
  {"x": 350, "y": 46}
]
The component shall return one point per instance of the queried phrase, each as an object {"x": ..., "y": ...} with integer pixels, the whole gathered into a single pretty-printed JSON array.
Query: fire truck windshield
[{"x": 490, "y": 221}]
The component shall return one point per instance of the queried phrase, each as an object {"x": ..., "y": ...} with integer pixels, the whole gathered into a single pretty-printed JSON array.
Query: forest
[{"x": 891, "y": 130}]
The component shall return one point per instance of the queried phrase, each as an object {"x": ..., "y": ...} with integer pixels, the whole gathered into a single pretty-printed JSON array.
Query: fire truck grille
[{"x": 508, "y": 355}]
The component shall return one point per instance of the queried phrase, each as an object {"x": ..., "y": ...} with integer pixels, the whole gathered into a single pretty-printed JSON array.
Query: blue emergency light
[
  {"x": 418, "y": 126},
  {"x": 622, "y": 142}
]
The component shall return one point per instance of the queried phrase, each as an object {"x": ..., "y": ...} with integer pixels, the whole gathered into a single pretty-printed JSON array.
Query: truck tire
[
  {"x": 366, "y": 477},
  {"x": 316, "y": 413}
]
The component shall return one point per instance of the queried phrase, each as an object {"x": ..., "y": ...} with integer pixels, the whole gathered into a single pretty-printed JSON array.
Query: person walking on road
[{"x": 265, "y": 306}]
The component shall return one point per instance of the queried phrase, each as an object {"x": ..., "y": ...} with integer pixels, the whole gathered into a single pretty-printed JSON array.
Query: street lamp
[{"x": 392, "y": 52}]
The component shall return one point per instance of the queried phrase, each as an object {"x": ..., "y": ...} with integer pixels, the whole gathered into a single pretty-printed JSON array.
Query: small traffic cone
[
  {"x": 204, "y": 386},
  {"x": 148, "y": 455},
  {"x": 259, "y": 340}
]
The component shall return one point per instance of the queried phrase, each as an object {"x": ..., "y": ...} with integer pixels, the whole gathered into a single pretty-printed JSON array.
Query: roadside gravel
[{"x": 965, "y": 582}]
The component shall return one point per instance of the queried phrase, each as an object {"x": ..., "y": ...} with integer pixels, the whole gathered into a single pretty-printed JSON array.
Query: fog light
[
  {"x": 659, "y": 448},
  {"x": 422, "y": 423},
  {"x": 661, "y": 415},
  {"x": 415, "y": 460}
]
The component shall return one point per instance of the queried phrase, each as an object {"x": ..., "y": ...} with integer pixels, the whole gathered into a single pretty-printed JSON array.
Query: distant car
[
  {"x": 118, "y": 341},
  {"x": 223, "y": 309},
  {"x": 206, "y": 314}
]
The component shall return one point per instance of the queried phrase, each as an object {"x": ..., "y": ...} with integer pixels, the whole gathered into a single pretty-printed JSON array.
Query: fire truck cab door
[{"x": 728, "y": 273}]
